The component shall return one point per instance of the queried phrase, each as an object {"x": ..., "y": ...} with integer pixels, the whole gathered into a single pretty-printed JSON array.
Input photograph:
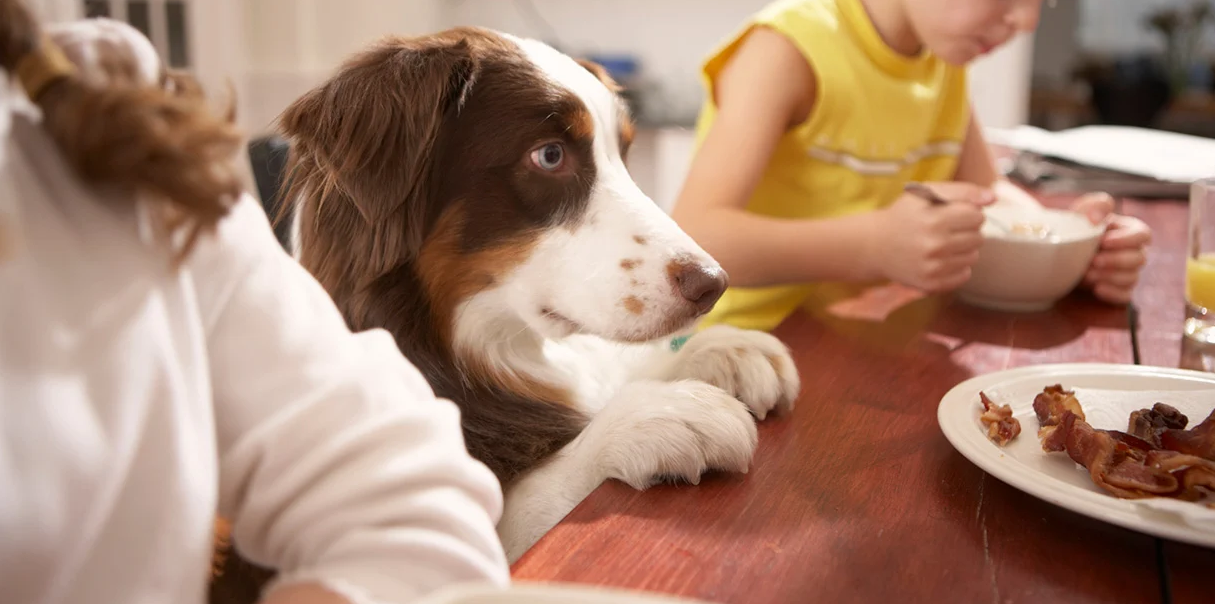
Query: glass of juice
[{"x": 1198, "y": 343}]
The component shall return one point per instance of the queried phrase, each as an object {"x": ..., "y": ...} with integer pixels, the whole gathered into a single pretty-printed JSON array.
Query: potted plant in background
[
  {"x": 1135, "y": 90},
  {"x": 1183, "y": 30}
]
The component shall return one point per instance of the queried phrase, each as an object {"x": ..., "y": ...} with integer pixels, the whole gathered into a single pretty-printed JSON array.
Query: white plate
[{"x": 1055, "y": 477}]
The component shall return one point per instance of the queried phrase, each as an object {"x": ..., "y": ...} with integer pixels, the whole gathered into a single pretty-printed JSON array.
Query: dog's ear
[
  {"x": 599, "y": 72},
  {"x": 373, "y": 126}
]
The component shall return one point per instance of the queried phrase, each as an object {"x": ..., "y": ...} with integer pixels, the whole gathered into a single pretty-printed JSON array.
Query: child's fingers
[
  {"x": 1113, "y": 294},
  {"x": 950, "y": 273},
  {"x": 961, "y": 217},
  {"x": 954, "y": 280},
  {"x": 957, "y": 262},
  {"x": 1125, "y": 279},
  {"x": 1126, "y": 232},
  {"x": 959, "y": 243},
  {"x": 1095, "y": 206},
  {"x": 1119, "y": 260},
  {"x": 961, "y": 263}
]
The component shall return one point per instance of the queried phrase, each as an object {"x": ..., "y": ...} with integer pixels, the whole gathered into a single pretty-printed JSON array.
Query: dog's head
[{"x": 494, "y": 167}]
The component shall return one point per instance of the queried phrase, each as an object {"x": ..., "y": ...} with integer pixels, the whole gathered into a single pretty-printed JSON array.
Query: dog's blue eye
[{"x": 549, "y": 157}]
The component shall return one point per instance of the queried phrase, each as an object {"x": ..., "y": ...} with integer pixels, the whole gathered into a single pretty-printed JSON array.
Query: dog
[{"x": 467, "y": 192}]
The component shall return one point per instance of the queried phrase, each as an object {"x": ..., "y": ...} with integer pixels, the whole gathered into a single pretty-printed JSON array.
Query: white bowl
[{"x": 1027, "y": 273}]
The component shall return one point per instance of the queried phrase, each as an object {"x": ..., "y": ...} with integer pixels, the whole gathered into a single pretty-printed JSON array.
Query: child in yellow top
[{"x": 819, "y": 112}]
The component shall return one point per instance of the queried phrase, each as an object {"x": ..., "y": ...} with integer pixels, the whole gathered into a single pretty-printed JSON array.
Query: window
[{"x": 164, "y": 22}]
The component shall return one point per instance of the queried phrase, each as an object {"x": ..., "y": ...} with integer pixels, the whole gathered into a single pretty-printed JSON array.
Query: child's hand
[
  {"x": 926, "y": 246},
  {"x": 1115, "y": 269}
]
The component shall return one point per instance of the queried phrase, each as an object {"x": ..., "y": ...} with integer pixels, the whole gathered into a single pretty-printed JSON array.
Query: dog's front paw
[
  {"x": 657, "y": 430},
  {"x": 752, "y": 365}
]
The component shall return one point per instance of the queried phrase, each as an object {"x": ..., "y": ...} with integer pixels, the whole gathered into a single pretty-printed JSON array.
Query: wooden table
[{"x": 858, "y": 497}]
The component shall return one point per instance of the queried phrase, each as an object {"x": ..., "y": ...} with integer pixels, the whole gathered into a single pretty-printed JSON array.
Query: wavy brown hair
[{"x": 161, "y": 142}]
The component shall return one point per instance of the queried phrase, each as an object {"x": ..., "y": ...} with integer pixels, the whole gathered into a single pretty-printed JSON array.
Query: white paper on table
[{"x": 1166, "y": 156}]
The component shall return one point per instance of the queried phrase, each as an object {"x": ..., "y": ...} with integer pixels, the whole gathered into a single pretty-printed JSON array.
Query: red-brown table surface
[{"x": 857, "y": 497}]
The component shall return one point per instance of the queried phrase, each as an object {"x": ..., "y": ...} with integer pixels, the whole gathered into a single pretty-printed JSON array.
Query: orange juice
[
  {"x": 1200, "y": 281},
  {"x": 1198, "y": 342}
]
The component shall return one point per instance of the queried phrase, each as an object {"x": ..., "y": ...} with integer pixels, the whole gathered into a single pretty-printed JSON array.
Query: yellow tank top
[{"x": 880, "y": 119}]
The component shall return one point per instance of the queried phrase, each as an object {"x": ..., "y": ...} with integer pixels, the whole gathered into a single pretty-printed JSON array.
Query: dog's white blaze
[{"x": 578, "y": 272}]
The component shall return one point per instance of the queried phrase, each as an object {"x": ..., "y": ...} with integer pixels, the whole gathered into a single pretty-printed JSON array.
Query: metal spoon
[{"x": 925, "y": 192}]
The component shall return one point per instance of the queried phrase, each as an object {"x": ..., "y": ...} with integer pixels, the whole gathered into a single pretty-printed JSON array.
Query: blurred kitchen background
[{"x": 1133, "y": 62}]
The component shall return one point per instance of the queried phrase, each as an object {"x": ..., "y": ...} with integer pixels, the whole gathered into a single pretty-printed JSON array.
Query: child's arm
[
  {"x": 766, "y": 89},
  {"x": 1115, "y": 269},
  {"x": 976, "y": 163}
]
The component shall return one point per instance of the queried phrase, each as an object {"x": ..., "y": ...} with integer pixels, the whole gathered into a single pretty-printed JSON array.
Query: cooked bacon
[
  {"x": 1155, "y": 458},
  {"x": 1053, "y": 402},
  {"x": 1198, "y": 441},
  {"x": 1134, "y": 447},
  {"x": 1001, "y": 425},
  {"x": 1110, "y": 463},
  {"x": 1050, "y": 406},
  {"x": 1148, "y": 424},
  {"x": 1053, "y": 438},
  {"x": 1195, "y": 474}
]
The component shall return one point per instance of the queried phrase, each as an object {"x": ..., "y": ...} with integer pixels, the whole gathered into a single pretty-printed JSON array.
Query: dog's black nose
[{"x": 699, "y": 284}]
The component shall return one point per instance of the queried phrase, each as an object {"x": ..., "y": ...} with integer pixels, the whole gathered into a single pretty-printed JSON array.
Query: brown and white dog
[{"x": 467, "y": 191}]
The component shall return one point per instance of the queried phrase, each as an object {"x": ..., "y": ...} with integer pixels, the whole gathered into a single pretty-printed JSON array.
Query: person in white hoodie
[{"x": 163, "y": 361}]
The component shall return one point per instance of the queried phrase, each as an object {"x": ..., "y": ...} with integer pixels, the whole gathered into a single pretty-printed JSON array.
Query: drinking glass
[{"x": 1198, "y": 341}]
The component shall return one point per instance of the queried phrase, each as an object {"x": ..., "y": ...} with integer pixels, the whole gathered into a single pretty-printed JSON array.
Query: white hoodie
[{"x": 137, "y": 402}]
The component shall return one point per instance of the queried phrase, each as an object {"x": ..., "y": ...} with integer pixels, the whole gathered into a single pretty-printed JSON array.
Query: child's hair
[{"x": 162, "y": 143}]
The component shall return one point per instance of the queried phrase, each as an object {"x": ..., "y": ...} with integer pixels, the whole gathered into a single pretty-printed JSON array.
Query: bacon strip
[
  {"x": 1110, "y": 462},
  {"x": 1192, "y": 471}
]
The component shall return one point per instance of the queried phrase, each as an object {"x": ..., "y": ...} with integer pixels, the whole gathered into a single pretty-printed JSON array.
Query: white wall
[
  {"x": 1057, "y": 44},
  {"x": 670, "y": 37},
  {"x": 217, "y": 49},
  {"x": 292, "y": 45},
  {"x": 1000, "y": 82},
  {"x": 55, "y": 10}
]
